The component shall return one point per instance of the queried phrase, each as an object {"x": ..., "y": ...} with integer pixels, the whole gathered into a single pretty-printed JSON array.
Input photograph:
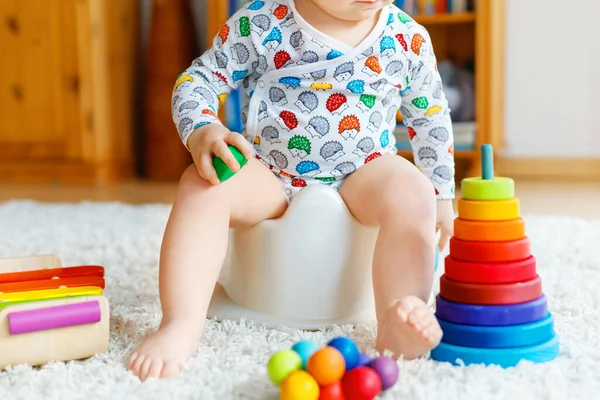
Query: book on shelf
[
  {"x": 434, "y": 7},
  {"x": 464, "y": 136}
]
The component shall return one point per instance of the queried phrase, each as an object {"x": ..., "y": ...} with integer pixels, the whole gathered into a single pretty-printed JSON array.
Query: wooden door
[{"x": 39, "y": 81}]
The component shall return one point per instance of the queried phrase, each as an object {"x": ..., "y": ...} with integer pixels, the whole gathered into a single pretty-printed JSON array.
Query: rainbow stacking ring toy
[{"x": 491, "y": 306}]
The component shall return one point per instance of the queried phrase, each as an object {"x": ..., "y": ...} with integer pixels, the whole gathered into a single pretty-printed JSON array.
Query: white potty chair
[{"x": 309, "y": 269}]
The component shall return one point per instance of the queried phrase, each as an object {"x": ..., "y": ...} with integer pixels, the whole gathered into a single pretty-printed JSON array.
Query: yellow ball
[{"x": 299, "y": 386}]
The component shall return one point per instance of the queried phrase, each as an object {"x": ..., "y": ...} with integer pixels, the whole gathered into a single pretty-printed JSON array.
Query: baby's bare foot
[
  {"x": 409, "y": 328},
  {"x": 162, "y": 355}
]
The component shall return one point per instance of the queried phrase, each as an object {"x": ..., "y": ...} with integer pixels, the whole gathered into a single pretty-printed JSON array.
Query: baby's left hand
[{"x": 444, "y": 222}]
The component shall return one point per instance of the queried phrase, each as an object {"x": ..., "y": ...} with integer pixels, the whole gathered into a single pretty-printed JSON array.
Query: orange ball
[{"x": 326, "y": 365}]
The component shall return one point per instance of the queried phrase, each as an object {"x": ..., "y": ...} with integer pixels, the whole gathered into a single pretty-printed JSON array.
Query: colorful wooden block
[
  {"x": 491, "y": 315},
  {"x": 490, "y": 252},
  {"x": 49, "y": 312},
  {"x": 504, "y": 358},
  {"x": 498, "y": 272},
  {"x": 55, "y": 330},
  {"x": 498, "y": 337},
  {"x": 477, "y": 293},
  {"x": 501, "y": 210},
  {"x": 489, "y": 231}
]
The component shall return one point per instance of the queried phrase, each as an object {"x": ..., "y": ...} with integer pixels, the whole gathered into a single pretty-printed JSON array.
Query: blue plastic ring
[
  {"x": 492, "y": 315},
  {"x": 504, "y": 358},
  {"x": 523, "y": 335}
]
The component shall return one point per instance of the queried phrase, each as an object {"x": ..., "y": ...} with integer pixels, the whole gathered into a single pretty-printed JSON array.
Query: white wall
[{"x": 552, "y": 78}]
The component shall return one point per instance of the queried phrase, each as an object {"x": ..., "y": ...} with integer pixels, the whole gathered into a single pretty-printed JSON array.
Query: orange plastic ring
[
  {"x": 489, "y": 252},
  {"x": 486, "y": 294},
  {"x": 489, "y": 231}
]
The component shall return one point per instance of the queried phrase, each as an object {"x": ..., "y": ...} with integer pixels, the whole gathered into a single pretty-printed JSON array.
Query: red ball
[
  {"x": 361, "y": 383},
  {"x": 332, "y": 392}
]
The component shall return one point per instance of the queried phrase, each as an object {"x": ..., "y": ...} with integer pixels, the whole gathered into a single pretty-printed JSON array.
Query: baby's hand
[
  {"x": 212, "y": 140},
  {"x": 444, "y": 222}
]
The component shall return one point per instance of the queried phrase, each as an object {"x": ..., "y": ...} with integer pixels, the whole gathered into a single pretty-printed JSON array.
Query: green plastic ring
[
  {"x": 222, "y": 170},
  {"x": 484, "y": 189}
]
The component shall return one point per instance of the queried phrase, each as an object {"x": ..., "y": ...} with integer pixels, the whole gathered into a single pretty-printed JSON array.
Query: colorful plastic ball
[
  {"x": 282, "y": 364},
  {"x": 363, "y": 359},
  {"x": 348, "y": 349},
  {"x": 305, "y": 349},
  {"x": 387, "y": 369},
  {"x": 361, "y": 383},
  {"x": 332, "y": 392},
  {"x": 299, "y": 386},
  {"x": 326, "y": 365}
]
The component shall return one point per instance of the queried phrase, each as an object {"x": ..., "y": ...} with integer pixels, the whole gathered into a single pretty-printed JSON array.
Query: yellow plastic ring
[
  {"x": 484, "y": 189},
  {"x": 501, "y": 210}
]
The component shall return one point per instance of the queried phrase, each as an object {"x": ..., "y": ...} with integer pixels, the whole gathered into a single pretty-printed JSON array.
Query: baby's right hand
[{"x": 212, "y": 140}]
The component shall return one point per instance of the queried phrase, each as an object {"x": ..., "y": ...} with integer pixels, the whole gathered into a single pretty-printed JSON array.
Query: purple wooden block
[{"x": 42, "y": 319}]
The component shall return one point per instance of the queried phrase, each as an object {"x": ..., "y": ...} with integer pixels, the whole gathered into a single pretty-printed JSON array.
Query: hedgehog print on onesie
[{"x": 319, "y": 109}]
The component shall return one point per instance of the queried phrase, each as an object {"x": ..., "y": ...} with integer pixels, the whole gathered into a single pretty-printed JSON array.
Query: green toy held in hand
[{"x": 222, "y": 170}]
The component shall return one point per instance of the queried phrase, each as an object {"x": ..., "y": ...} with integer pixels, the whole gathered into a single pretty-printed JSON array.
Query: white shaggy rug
[{"x": 232, "y": 356}]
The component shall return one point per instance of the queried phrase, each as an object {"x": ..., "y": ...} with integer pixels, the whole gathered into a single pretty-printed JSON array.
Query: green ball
[{"x": 282, "y": 364}]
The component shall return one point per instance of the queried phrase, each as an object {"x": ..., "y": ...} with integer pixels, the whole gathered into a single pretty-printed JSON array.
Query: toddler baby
[{"x": 325, "y": 80}]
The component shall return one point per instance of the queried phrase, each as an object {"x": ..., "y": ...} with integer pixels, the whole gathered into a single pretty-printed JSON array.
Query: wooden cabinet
[{"x": 67, "y": 89}]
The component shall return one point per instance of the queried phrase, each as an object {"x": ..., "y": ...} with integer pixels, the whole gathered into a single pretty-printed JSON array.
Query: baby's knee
[
  {"x": 411, "y": 199},
  {"x": 192, "y": 185}
]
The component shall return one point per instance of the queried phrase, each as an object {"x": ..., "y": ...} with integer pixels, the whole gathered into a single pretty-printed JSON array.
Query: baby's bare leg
[
  {"x": 392, "y": 194},
  {"x": 192, "y": 254}
]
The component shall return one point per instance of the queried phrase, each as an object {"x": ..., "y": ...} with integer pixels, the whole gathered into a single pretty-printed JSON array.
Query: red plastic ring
[
  {"x": 490, "y": 252},
  {"x": 502, "y": 272},
  {"x": 486, "y": 294}
]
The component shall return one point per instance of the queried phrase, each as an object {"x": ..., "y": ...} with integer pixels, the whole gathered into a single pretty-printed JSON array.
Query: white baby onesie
[{"x": 318, "y": 108}]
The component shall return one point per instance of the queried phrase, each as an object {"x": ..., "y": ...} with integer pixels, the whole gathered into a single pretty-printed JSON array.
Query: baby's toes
[
  {"x": 132, "y": 360},
  {"x": 432, "y": 331},
  {"x": 137, "y": 364},
  {"x": 420, "y": 318},
  {"x": 170, "y": 369},
  {"x": 154, "y": 370},
  {"x": 404, "y": 308},
  {"x": 146, "y": 368}
]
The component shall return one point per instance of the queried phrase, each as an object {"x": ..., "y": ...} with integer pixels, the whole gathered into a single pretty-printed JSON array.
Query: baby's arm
[
  {"x": 203, "y": 87},
  {"x": 427, "y": 116}
]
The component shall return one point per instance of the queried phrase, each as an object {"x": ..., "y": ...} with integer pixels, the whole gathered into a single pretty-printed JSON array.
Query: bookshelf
[{"x": 446, "y": 18}]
